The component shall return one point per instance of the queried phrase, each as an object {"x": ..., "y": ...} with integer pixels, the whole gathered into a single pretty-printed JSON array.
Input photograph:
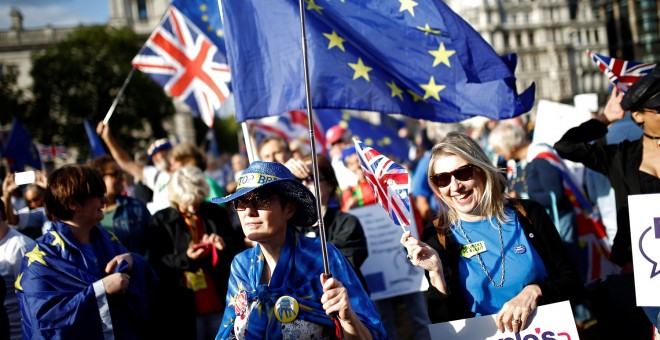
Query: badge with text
[
  {"x": 472, "y": 249},
  {"x": 286, "y": 309}
]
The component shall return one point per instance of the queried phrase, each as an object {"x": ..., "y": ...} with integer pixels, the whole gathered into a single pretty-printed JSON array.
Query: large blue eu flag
[{"x": 415, "y": 57}]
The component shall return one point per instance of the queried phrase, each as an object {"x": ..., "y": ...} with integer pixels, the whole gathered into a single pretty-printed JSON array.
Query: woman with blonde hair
[
  {"x": 488, "y": 254},
  {"x": 191, "y": 248}
]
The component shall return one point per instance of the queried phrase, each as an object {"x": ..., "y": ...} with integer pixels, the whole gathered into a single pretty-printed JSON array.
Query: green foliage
[{"x": 80, "y": 76}]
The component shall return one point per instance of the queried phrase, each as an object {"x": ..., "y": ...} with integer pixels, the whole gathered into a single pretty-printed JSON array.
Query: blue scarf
[{"x": 296, "y": 275}]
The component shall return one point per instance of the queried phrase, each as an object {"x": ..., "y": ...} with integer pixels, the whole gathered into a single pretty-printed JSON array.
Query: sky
[{"x": 39, "y": 13}]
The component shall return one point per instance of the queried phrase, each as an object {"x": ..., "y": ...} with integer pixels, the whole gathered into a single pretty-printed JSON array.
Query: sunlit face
[
  {"x": 263, "y": 217},
  {"x": 273, "y": 151},
  {"x": 113, "y": 178},
  {"x": 89, "y": 213},
  {"x": 463, "y": 196},
  {"x": 33, "y": 199}
]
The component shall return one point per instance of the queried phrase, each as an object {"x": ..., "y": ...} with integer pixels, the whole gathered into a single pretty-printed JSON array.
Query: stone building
[{"x": 551, "y": 38}]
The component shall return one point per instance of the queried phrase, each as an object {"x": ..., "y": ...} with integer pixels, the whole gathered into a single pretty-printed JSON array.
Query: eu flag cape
[
  {"x": 296, "y": 275},
  {"x": 57, "y": 294},
  {"x": 416, "y": 58}
]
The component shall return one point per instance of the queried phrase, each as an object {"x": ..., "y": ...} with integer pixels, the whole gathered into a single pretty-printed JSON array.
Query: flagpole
[
  {"x": 118, "y": 97},
  {"x": 312, "y": 141}
]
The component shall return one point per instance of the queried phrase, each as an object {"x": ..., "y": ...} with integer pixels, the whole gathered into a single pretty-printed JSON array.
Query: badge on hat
[{"x": 286, "y": 309}]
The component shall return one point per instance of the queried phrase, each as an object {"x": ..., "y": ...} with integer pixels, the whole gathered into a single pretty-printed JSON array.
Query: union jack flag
[
  {"x": 591, "y": 231},
  {"x": 389, "y": 181},
  {"x": 290, "y": 126},
  {"x": 187, "y": 64},
  {"x": 621, "y": 73}
]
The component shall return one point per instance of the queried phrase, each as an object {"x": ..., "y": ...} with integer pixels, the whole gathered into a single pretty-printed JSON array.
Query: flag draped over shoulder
[
  {"x": 19, "y": 150},
  {"x": 384, "y": 136},
  {"x": 417, "y": 58},
  {"x": 291, "y": 125},
  {"x": 95, "y": 145},
  {"x": 185, "y": 55},
  {"x": 591, "y": 231},
  {"x": 389, "y": 181},
  {"x": 621, "y": 73}
]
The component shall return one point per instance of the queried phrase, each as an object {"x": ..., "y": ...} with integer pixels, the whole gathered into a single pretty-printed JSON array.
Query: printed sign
[
  {"x": 645, "y": 241},
  {"x": 387, "y": 270},
  {"x": 553, "y": 321}
]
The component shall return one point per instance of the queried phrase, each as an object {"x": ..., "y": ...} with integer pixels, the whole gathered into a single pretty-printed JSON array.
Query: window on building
[{"x": 142, "y": 9}]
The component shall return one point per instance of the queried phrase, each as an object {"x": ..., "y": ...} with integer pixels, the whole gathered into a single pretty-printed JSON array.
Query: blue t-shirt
[{"x": 522, "y": 264}]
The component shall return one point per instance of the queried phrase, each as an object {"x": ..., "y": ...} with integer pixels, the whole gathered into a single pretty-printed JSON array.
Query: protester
[
  {"x": 154, "y": 177},
  {"x": 30, "y": 220},
  {"x": 518, "y": 238},
  {"x": 125, "y": 217},
  {"x": 13, "y": 245},
  {"x": 633, "y": 168},
  {"x": 337, "y": 138},
  {"x": 342, "y": 230},
  {"x": 79, "y": 281},
  {"x": 191, "y": 248},
  {"x": 276, "y": 288},
  {"x": 188, "y": 154}
]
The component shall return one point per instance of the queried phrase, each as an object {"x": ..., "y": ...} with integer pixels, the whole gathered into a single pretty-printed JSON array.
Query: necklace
[
  {"x": 657, "y": 139},
  {"x": 481, "y": 262}
]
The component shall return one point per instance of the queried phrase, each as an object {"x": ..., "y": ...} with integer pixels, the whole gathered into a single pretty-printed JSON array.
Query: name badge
[{"x": 472, "y": 249}]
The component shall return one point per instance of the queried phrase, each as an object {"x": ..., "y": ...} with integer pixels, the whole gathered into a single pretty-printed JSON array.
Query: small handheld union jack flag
[
  {"x": 389, "y": 181},
  {"x": 621, "y": 73},
  {"x": 187, "y": 64}
]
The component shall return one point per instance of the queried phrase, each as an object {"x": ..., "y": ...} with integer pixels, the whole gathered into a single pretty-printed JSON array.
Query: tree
[{"x": 79, "y": 78}]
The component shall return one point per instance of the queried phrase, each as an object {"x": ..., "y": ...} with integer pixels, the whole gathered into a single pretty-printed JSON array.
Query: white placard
[
  {"x": 554, "y": 119},
  {"x": 387, "y": 270},
  {"x": 645, "y": 241},
  {"x": 553, "y": 321}
]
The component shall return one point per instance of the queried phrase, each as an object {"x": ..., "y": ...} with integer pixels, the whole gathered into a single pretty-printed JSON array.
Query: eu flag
[
  {"x": 20, "y": 151},
  {"x": 416, "y": 58}
]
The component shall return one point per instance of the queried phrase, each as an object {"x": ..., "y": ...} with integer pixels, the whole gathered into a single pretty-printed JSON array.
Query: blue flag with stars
[{"x": 417, "y": 58}]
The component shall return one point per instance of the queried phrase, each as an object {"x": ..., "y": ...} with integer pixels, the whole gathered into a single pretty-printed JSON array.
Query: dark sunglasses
[
  {"x": 462, "y": 174},
  {"x": 259, "y": 202}
]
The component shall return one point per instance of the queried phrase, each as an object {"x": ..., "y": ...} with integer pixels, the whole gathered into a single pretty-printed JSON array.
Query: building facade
[{"x": 551, "y": 38}]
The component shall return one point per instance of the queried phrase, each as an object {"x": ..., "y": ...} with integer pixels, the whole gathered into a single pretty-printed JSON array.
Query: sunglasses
[
  {"x": 259, "y": 202},
  {"x": 462, "y": 174}
]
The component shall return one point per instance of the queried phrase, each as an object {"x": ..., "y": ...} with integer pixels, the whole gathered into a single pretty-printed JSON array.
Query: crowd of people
[{"x": 190, "y": 246}]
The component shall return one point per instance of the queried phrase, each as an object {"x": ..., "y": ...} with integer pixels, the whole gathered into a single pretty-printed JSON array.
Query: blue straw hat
[{"x": 277, "y": 179}]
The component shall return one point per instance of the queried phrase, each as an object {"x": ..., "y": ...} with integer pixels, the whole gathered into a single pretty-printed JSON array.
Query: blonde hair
[
  {"x": 187, "y": 186},
  {"x": 492, "y": 201}
]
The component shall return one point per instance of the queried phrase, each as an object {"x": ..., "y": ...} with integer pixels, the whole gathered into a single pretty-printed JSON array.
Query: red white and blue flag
[
  {"x": 592, "y": 237},
  {"x": 290, "y": 126},
  {"x": 389, "y": 181},
  {"x": 187, "y": 64},
  {"x": 621, "y": 73}
]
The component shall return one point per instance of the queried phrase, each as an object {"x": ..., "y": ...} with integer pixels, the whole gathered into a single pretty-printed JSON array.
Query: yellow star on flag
[
  {"x": 335, "y": 40},
  {"x": 408, "y": 5},
  {"x": 414, "y": 96},
  {"x": 442, "y": 55},
  {"x": 432, "y": 89},
  {"x": 427, "y": 29},
  {"x": 312, "y": 6},
  {"x": 396, "y": 91},
  {"x": 17, "y": 283},
  {"x": 57, "y": 239},
  {"x": 360, "y": 70},
  {"x": 36, "y": 255}
]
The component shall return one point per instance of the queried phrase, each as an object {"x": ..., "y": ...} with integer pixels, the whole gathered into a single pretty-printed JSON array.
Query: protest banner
[
  {"x": 645, "y": 241},
  {"x": 387, "y": 270},
  {"x": 553, "y": 321}
]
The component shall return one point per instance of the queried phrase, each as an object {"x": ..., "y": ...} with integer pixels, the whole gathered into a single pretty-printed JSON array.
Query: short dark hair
[{"x": 69, "y": 183}]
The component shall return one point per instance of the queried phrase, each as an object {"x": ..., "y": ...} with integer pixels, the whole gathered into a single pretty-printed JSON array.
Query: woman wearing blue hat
[{"x": 275, "y": 288}]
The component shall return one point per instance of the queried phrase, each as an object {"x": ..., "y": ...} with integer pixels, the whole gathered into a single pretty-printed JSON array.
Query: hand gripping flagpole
[
  {"x": 312, "y": 141},
  {"x": 118, "y": 97}
]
